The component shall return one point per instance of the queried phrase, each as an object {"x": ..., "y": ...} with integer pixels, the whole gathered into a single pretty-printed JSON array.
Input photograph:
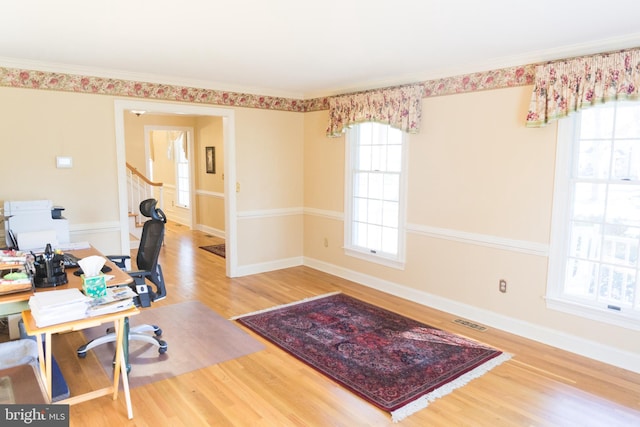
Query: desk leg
[
  {"x": 120, "y": 365},
  {"x": 125, "y": 345},
  {"x": 45, "y": 362},
  {"x": 47, "y": 355}
]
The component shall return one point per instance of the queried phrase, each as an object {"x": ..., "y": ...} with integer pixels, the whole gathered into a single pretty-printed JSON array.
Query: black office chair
[{"x": 151, "y": 242}]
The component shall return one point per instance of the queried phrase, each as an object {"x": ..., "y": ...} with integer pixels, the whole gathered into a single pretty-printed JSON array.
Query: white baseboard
[
  {"x": 246, "y": 270},
  {"x": 591, "y": 349},
  {"x": 210, "y": 230}
]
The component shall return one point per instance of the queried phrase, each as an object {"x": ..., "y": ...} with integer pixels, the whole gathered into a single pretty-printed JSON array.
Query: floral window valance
[
  {"x": 564, "y": 87},
  {"x": 400, "y": 107}
]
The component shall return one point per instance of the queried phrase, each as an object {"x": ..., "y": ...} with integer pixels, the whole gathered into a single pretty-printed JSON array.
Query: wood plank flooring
[{"x": 539, "y": 386}]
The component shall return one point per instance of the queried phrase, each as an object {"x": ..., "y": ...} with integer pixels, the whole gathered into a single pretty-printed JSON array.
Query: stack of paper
[
  {"x": 64, "y": 305},
  {"x": 118, "y": 298}
]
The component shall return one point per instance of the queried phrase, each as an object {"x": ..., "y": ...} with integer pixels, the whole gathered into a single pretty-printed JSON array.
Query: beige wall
[
  {"x": 270, "y": 175},
  {"x": 210, "y": 187},
  {"x": 37, "y": 126}
]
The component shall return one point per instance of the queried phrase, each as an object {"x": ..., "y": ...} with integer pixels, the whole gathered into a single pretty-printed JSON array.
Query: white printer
[{"x": 34, "y": 223}]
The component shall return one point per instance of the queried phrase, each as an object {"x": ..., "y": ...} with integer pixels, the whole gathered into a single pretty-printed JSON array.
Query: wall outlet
[{"x": 503, "y": 286}]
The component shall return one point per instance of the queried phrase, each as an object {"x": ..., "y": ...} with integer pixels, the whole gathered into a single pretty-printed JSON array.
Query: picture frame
[{"x": 210, "y": 159}]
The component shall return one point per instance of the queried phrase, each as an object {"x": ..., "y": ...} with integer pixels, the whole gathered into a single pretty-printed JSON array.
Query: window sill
[
  {"x": 593, "y": 313},
  {"x": 377, "y": 259}
]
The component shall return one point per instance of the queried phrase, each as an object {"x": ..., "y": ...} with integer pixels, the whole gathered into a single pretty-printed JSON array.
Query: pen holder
[{"x": 95, "y": 286}]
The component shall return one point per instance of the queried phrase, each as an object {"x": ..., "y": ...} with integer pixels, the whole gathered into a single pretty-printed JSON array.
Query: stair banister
[{"x": 141, "y": 188}]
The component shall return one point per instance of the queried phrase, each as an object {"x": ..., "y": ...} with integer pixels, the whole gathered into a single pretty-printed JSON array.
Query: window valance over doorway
[
  {"x": 564, "y": 87},
  {"x": 399, "y": 107}
]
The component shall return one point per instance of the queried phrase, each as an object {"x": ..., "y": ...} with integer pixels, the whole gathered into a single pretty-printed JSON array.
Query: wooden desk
[
  {"x": 44, "y": 355},
  {"x": 118, "y": 319}
]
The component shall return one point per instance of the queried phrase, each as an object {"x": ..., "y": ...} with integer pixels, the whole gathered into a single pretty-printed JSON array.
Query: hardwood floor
[{"x": 539, "y": 386}]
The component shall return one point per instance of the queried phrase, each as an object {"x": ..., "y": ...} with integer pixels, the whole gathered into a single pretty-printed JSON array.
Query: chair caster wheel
[
  {"x": 158, "y": 332},
  {"x": 82, "y": 352},
  {"x": 163, "y": 347}
]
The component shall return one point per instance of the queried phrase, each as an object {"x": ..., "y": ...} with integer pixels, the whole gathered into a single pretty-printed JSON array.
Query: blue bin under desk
[{"x": 60, "y": 389}]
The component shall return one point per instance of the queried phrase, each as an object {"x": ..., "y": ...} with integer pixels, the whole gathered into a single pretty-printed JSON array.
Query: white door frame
[{"x": 229, "y": 140}]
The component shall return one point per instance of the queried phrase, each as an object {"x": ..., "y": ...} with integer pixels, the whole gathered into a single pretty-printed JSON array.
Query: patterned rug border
[
  {"x": 423, "y": 401},
  {"x": 214, "y": 249}
]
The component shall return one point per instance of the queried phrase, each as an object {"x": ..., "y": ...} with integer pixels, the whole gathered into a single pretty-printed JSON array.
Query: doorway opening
[{"x": 227, "y": 118}]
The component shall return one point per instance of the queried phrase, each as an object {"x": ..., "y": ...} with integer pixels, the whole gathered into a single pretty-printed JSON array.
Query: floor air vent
[{"x": 471, "y": 325}]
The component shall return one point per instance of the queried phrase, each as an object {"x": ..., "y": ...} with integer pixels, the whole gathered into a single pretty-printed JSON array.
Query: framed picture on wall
[{"x": 211, "y": 159}]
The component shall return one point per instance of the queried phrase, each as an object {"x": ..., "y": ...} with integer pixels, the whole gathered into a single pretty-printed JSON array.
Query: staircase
[
  {"x": 139, "y": 188},
  {"x": 135, "y": 230}
]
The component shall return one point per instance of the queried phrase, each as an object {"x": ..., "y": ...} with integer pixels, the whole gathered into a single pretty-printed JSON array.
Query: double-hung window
[
  {"x": 375, "y": 193},
  {"x": 594, "y": 268},
  {"x": 182, "y": 171}
]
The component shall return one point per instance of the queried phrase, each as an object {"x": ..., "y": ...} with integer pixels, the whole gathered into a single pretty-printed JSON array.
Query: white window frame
[
  {"x": 396, "y": 261},
  {"x": 566, "y": 155}
]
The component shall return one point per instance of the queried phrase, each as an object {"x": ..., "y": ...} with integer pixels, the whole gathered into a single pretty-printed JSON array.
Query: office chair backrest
[
  {"x": 151, "y": 240},
  {"x": 148, "y": 209}
]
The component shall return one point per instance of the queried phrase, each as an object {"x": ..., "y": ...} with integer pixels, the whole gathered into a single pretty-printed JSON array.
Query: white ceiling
[{"x": 303, "y": 48}]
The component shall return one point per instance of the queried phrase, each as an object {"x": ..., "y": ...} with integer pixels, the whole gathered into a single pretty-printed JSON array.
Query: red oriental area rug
[{"x": 398, "y": 364}]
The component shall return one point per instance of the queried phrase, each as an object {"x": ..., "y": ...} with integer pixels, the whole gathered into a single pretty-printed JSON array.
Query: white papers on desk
[
  {"x": 118, "y": 298},
  {"x": 59, "y": 306}
]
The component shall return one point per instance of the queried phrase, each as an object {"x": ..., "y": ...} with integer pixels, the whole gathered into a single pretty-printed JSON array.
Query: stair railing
[{"x": 139, "y": 188}]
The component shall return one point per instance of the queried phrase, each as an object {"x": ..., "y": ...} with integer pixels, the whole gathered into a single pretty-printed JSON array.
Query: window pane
[
  {"x": 589, "y": 201},
  {"x": 615, "y": 284},
  {"x": 375, "y": 185},
  {"x": 621, "y": 245},
  {"x": 391, "y": 189},
  {"x": 359, "y": 234},
  {"x": 379, "y": 134},
  {"x": 394, "y": 136},
  {"x": 361, "y": 184},
  {"x": 360, "y": 209},
  {"x": 581, "y": 278},
  {"x": 374, "y": 240},
  {"x": 364, "y": 158},
  {"x": 596, "y": 123},
  {"x": 624, "y": 204},
  {"x": 394, "y": 158},
  {"x": 586, "y": 240},
  {"x": 626, "y": 160},
  {"x": 390, "y": 214},
  {"x": 593, "y": 159},
  {"x": 390, "y": 240},
  {"x": 378, "y": 158},
  {"x": 375, "y": 212},
  {"x": 627, "y": 120},
  {"x": 366, "y": 133}
]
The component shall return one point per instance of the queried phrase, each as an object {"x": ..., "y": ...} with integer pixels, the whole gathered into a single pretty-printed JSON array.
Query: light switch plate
[{"x": 64, "y": 162}]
